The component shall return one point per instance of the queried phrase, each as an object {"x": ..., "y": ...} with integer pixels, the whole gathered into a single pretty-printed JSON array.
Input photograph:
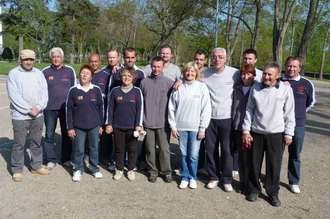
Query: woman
[
  {"x": 189, "y": 115},
  {"x": 125, "y": 115},
  {"x": 84, "y": 111},
  {"x": 240, "y": 98}
]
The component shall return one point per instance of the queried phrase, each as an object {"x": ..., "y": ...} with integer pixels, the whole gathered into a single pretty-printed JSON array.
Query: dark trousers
[
  {"x": 106, "y": 148},
  {"x": 125, "y": 141},
  {"x": 219, "y": 131},
  {"x": 294, "y": 155},
  {"x": 202, "y": 155},
  {"x": 51, "y": 117},
  {"x": 272, "y": 145},
  {"x": 21, "y": 130},
  {"x": 157, "y": 137},
  {"x": 244, "y": 159}
]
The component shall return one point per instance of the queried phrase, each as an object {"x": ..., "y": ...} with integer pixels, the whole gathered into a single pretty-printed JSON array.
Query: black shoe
[
  {"x": 252, "y": 197},
  {"x": 152, "y": 178},
  {"x": 168, "y": 178},
  {"x": 274, "y": 201}
]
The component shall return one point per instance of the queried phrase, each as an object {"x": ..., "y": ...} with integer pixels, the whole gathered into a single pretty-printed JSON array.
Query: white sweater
[
  {"x": 189, "y": 107},
  {"x": 270, "y": 110}
]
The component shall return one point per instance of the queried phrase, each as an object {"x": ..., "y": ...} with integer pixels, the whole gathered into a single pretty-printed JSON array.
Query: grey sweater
[
  {"x": 156, "y": 91},
  {"x": 26, "y": 89},
  {"x": 220, "y": 85},
  {"x": 270, "y": 110}
]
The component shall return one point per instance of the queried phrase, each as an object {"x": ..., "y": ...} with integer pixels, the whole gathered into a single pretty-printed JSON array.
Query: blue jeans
[
  {"x": 79, "y": 143},
  {"x": 294, "y": 155},
  {"x": 51, "y": 117},
  {"x": 189, "y": 147}
]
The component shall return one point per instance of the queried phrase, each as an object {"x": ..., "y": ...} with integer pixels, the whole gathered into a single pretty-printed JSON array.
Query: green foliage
[{"x": 82, "y": 26}]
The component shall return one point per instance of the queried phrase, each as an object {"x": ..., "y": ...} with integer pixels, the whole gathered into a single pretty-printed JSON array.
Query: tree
[
  {"x": 27, "y": 18},
  {"x": 313, "y": 17},
  {"x": 163, "y": 17},
  {"x": 282, "y": 17},
  {"x": 79, "y": 18}
]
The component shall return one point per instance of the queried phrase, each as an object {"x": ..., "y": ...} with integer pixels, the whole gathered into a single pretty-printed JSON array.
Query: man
[
  {"x": 28, "y": 94},
  {"x": 113, "y": 66},
  {"x": 155, "y": 89},
  {"x": 267, "y": 128},
  {"x": 250, "y": 57},
  {"x": 60, "y": 78},
  {"x": 200, "y": 58},
  {"x": 304, "y": 96},
  {"x": 170, "y": 70},
  {"x": 220, "y": 80},
  {"x": 100, "y": 76},
  {"x": 129, "y": 62},
  {"x": 101, "y": 79}
]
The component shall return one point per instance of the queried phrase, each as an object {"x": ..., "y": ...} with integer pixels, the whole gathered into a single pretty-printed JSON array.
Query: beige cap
[{"x": 27, "y": 54}]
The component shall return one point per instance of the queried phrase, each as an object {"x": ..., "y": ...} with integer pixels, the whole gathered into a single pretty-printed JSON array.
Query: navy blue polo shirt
[
  {"x": 84, "y": 108},
  {"x": 125, "y": 110},
  {"x": 59, "y": 82},
  {"x": 115, "y": 79},
  {"x": 304, "y": 97},
  {"x": 101, "y": 79}
]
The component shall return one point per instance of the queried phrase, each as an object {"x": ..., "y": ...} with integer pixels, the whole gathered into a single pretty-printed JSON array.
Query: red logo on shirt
[
  {"x": 50, "y": 78},
  {"x": 301, "y": 89},
  {"x": 93, "y": 96}
]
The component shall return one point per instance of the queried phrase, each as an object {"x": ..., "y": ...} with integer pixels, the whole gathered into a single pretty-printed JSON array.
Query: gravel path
[{"x": 57, "y": 196}]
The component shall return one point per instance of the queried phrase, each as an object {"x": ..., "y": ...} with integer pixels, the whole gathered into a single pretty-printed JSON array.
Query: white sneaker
[
  {"x": 131, "y": 175},
  {"x": 98, "y": 175},
  {"x": 193, "y": 184},
  {"x": 212, "y": 184},
  {"x": 51, "y": 165},
  {"x": 183, "y": 184},
  {"x": 295, "y": 189},
  {"x": 118, "y": 174},
  {"x": 76, "y": 176},
  {"x": 228, "y": 187},
  {"x": 235, "y": 173}
]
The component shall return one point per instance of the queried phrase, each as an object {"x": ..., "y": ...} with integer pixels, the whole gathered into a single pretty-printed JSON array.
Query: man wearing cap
[
  {"x": 60, "y": 78},
  {"x": 28, "y": 95}
]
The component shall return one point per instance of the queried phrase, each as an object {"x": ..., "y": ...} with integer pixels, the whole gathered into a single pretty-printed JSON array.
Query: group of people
[{"x": 123, "y": 115}]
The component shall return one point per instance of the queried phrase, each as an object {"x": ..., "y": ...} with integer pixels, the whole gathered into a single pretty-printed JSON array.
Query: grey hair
[
  {"x": 56, "y": 49},
  {"x": 220, "y": 49}
]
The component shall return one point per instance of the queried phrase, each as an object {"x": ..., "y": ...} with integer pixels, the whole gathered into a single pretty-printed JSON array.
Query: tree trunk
[
  {"x": 258, "y": 4},
  {"x": 72, "y": 49},
  {"x": 80, "y": 52},
  {"x": 20, "y": 44},
  {"x": 309, "y": 28},
  {"x": 323, "y": 54},
  {"x": 280, "y": 26},
  {"x": 292, "y": 39}
]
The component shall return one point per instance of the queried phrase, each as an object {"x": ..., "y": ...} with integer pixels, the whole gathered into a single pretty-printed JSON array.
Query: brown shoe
[
  {"x": 40, "y": 171},
  {"x": 18, "y": 177}
]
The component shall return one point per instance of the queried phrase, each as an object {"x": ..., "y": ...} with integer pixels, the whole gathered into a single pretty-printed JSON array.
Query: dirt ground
[{"x": 57, "y": 196}]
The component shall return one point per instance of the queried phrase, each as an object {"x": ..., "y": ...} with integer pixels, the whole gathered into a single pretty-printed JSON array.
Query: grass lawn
[{"x": 5, "y": 67}]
